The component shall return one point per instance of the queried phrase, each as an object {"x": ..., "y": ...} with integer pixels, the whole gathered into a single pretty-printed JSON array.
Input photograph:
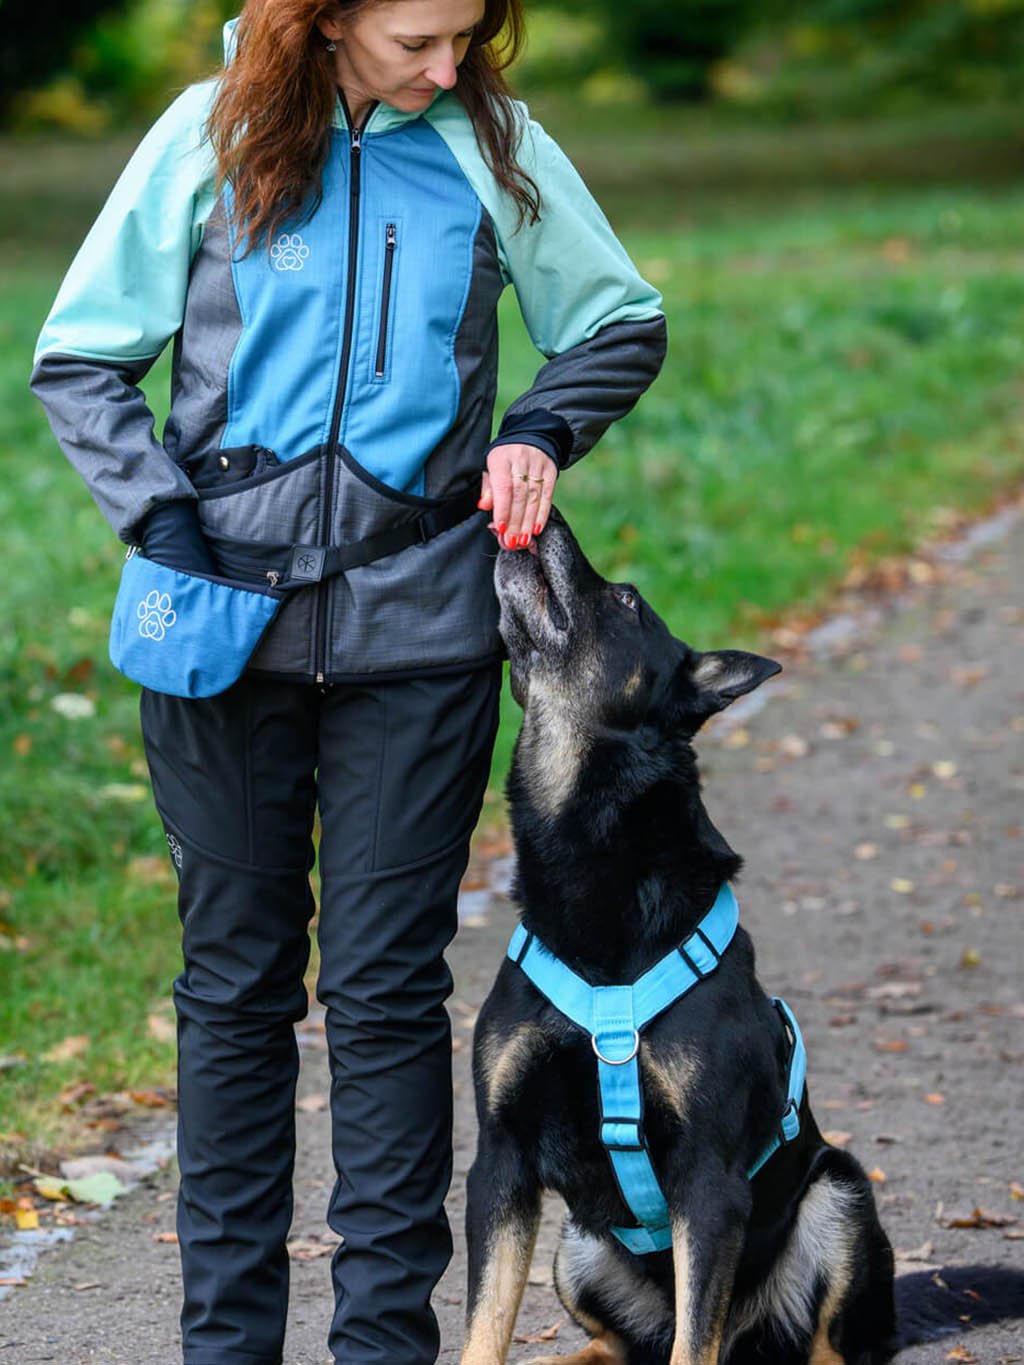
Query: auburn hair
[{"x": 270, "y": 123}]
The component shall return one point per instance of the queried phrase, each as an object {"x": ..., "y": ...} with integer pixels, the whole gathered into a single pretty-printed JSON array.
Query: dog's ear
[{"x": 722, "y": 675}]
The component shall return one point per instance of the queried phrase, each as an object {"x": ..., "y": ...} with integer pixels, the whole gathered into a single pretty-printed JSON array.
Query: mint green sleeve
[
  {"x": 124, "y": 296},
  {"x": 120, "y": 303}
]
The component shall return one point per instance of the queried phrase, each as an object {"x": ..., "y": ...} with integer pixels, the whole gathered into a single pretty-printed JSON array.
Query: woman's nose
[{"x": 443, "y": 71}]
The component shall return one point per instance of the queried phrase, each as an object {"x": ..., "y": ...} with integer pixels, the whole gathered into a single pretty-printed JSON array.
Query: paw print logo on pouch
[
  {"x": 289, "y": 252},
  {"x": 156, "y": 615}
]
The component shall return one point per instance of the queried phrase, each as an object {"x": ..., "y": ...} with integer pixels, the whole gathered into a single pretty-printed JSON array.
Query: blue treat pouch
[{"x": 185, "y": 634}]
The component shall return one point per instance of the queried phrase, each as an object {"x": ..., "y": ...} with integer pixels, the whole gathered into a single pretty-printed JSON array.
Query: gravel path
[{"x": 878, "y": 801}]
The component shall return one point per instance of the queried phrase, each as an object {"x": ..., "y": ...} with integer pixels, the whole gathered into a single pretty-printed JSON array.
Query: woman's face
[{"x": 401, "y": 51}]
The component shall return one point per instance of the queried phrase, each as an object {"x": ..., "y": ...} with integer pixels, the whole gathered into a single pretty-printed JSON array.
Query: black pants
[{"x": 398, "y": 771}]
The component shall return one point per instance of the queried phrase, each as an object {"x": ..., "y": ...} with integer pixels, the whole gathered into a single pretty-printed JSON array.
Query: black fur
[{"x": 617, "y": 862}]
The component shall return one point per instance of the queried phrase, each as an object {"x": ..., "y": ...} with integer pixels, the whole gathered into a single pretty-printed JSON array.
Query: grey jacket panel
[
  {"x": 204, "y": 347},
  {"x": 476, "y": 355},
  {"x": 598, "y": 381},
  {"x": 103, "y": 424}
]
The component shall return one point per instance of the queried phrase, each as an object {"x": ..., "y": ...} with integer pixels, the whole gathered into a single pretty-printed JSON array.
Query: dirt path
[{"x": 878, "y": 801}]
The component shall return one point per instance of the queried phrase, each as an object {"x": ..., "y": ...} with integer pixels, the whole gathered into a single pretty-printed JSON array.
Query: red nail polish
[
  {"x": 537, "y": 529},
  {"x": 523, "y": 542},
  {"x": 502, "y": 527}
]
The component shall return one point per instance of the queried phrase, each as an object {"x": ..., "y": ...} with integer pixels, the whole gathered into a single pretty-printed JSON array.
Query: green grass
[{"x": 847, "y": 338}]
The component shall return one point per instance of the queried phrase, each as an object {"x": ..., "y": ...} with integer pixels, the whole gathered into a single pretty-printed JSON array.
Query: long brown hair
[{"x": 270, "y": 123}]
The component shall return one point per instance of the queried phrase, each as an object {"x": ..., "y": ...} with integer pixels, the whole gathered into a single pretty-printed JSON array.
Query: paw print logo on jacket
[
  {"x": 289, "y": 252},
  {"x": 156, "y": 615}
]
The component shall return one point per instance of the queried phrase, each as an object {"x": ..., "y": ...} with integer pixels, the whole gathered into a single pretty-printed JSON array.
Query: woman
[{"x": 324, "y": 232}]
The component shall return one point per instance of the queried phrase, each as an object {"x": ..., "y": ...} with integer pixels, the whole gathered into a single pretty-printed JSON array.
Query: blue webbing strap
[
  {"x": 614, "y": 1017},
  {"x": 789, "y": 1128}
]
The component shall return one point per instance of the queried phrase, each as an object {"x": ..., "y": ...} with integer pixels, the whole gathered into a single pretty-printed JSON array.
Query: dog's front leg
[
  {"x": 709, "y": 1220},
  {"x": 502, "y": 1215}
]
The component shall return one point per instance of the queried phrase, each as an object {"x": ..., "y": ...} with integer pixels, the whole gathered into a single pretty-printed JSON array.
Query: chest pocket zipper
[{"x": 390, "y": 245}]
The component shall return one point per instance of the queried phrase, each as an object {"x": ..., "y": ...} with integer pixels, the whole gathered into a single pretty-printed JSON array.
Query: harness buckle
[
  {"x": 636, "y": 1144},
  {"x": 789, "y": 1124},
  {"x": 621, "y": 1061}
]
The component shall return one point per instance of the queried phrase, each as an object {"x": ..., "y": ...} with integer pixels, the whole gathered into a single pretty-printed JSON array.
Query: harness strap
[
  {"x": 291, "y": 567},
  {"x": 614, "y": 1017}
]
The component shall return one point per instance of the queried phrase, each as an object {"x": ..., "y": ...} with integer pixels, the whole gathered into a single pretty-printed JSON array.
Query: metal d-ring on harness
[{"x": 615, "y": 1016}]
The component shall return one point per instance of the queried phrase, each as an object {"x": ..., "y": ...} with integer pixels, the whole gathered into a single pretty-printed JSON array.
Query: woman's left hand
[{"x": 518, "y": 485}]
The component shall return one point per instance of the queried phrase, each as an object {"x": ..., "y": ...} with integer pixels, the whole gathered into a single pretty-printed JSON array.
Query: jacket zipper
[
  {"x": 390, "y": 242},
  {"x": 327, "y": 507}
]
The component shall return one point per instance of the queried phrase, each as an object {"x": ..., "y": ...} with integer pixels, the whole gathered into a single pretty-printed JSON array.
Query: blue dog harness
[{"x": 614, "y": 1017}]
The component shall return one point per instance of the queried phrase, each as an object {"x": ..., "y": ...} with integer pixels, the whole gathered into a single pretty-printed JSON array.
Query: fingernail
[
  {"x": 502, "y": 527},
  {"x": 537, "y": 529},
  {"x": 481, "y": 506},
  {"x": 523, "y": 542}
]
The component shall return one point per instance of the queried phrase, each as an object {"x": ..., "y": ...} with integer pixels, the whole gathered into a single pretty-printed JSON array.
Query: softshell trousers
[{"x": 397, "y": 770}]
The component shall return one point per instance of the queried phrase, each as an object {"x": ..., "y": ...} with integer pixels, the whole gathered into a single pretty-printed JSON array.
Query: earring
[{"x": 332, "y": 47}]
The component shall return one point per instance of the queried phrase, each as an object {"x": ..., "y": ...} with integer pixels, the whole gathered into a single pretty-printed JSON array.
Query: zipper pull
[
  {"x": 357, "y": 140},
  {"x": 390, "y": 237}
]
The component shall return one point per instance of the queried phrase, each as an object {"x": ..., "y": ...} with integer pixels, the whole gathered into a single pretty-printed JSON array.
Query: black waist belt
[{"x": 290, "y": 567}]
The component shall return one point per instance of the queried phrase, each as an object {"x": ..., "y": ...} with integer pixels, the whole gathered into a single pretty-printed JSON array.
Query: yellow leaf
[
  {"x": 903, "y": 885},
  {"x": 26, "y": 1219},
  {"x": 877, "y": 1175},
  {"x": 944, "y": 768},
  {"x": 66, "y": 1050},
  {"x": 897, "y": 821}
]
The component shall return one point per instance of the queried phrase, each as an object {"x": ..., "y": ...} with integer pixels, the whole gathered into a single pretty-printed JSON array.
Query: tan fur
[
  {"x": 685, "y": 1350},
  {"x": 672, "y": 1073},
  {"x": 606, "y": 1349},
  {"x": 632, "y": 684},
  {"x": 550, "y": 750},
  {"x": 489, "y": 1333},
  {"x": 504, "y": 1061},
  {"x": 822, "y": 1352}
]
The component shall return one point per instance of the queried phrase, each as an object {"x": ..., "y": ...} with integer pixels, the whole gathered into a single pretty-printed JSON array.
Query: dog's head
[{"x": 591, "y": 659}]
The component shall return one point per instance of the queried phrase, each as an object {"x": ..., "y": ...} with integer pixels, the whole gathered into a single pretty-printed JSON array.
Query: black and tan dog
[{"x": 617, "y": 863}]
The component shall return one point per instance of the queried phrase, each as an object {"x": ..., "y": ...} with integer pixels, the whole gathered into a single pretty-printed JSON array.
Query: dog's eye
[{"x": 629, "y": 597}]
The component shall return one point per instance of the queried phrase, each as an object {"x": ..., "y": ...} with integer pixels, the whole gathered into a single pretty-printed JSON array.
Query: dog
[{"x": 772, "y": 1250}]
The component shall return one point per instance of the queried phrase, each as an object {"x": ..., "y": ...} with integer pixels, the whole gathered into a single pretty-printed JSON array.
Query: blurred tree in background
[{"x": 80, "y": 63}]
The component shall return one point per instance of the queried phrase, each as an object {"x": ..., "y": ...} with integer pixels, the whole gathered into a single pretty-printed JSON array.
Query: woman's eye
[{"x": 409, "y": 48}]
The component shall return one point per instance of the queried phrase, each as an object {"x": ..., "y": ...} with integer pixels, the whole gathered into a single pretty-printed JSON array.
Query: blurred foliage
[
  {"x": 35, "y": 38},
  {"x": 129, "y": 62},
  {"x": 103, "y": 62}
]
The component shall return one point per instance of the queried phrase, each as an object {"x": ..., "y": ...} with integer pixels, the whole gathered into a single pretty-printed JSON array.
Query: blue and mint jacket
[{"x": 347, "y": 370}]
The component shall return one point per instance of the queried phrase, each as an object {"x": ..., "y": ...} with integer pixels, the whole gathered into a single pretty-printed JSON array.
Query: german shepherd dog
[{"x": 617, "y": 863}]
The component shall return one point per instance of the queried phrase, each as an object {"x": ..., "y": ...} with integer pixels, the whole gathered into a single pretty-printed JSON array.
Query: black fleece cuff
[
  {"x": 540, "y": 428},
  {"x": 171, "y": 535}
]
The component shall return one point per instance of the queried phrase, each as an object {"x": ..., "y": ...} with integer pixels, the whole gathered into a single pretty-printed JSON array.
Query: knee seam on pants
[{"x": 224, "y": 861}]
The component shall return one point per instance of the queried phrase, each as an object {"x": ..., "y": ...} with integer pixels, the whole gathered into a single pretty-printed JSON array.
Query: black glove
[{"x": 171, "y": 535}]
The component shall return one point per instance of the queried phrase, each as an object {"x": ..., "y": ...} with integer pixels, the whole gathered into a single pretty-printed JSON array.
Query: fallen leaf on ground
[
  {"x": 67, "y": 1049},
  {"x": 162, "y": 1028},
  {"x": 961, "y": 1353},
  {"x": 305, "y": 1249},
  {"x": 921, "y": 1253},
  {"x": 26, "y": 1219},
  {"x": 891, "y": 1044},
  {"x": 151, "y": 1099},
  {"x": 165, "y": 1237},
  {"x": 934, "y": 1098},
  {"x": 877, "y": 1176},
  {"x": 537, "y": 1338},
  {"x": 836, "y": 1137},
  {"x": 981, "y": 1218},
  {"x": 1016, "y": 1190},
  {"x": 902, "y": 885}
]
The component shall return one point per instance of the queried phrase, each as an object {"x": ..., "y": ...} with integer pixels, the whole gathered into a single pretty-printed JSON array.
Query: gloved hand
[{"x": 171, "y": 535}]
